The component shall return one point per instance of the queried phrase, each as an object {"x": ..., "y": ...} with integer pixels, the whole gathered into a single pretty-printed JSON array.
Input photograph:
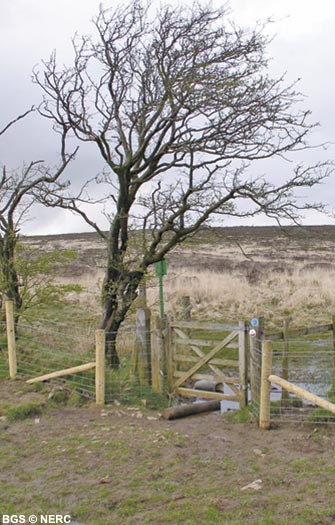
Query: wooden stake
[
  {"x": 264, "y": 411},
  {"x": 186, "y": 313},
  {"x": 285, "y": 361},
  {"x": 100, "y": 367},
  {"x": 186, "y": 308},
  {"x": 61, "y": 373},
  {"x": 12, "y": 363}
]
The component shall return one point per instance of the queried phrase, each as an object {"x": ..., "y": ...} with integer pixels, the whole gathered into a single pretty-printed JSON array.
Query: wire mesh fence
[
  {"x": 3, "y": 351},
  {"x": 132, "y": 381},
  {"x": 308, "y": 363},
  {"x": 44, "y": 347}
]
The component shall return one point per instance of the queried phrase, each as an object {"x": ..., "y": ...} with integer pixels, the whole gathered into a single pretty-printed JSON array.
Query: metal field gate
[{"x": 212, "y": 354}]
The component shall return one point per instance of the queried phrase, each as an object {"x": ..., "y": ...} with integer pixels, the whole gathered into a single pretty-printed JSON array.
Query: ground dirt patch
[{"x": 125, "y": 465}]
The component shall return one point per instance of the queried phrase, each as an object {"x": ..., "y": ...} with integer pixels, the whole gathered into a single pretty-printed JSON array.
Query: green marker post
[{"x": 161, "y": 270}]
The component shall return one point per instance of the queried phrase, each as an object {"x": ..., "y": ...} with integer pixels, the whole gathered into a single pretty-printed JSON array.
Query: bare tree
[
  {"x": 178, "y": 103},
  {"x": 18, "y": 189}
]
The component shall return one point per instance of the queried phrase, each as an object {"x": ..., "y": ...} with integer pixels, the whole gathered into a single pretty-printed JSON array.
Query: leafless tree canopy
[
  {"x": 19, "y": 189},
  {"x": 179, "y": 103}
]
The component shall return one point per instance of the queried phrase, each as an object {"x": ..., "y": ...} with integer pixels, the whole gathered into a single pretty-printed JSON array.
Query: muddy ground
[{"x": 126, "y": 465}]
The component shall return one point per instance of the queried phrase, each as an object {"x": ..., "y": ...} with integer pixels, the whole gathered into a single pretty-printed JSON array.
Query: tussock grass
[
  {"x": 305, "y": 296},
  {"x": 229, "y": 273}
]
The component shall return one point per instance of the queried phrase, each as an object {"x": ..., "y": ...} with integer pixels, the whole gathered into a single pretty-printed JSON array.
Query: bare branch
[
  {"x": 18, "y": 190},
  {"x": 179, "y": 104},
  {"x": 14, "y": 121}
]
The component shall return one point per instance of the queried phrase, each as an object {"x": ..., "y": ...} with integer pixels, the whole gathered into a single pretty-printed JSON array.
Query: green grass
[
  {"x": 4, "y": 374},
  {"x": 243, "y": 415},
  {"x": 23, "y": 411}
]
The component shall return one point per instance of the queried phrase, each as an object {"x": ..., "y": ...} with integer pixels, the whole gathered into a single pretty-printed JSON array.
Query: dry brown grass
[
  {"x": 229, "y": 274},
  {"x": 305, "y": 296}
]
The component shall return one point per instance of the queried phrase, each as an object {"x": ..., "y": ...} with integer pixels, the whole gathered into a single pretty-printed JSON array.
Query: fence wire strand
[
  {"x": 44, "y": 347},
  {"x": 47, "y": 347},
  {"x": 308, "y": 364}
]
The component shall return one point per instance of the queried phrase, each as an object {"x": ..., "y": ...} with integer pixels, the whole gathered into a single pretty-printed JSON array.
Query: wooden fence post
[
  {"x": 185, "y": 314},
  {"x": 285, "y": 360},
  {"x": 100, "y": 367},
  {"x": 264, "y": 411},
  {"x": 256, "y": 361},
  {"x": 243, "y": 363},
  {"x": 12, "y": 363},
  {"x": 157, "y": 355},
  {"x": 141, "y": 358}
]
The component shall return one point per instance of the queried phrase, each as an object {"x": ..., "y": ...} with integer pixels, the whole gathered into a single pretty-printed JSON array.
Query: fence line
[
  {"x": 12, "y": 362},
  {"x": 309, "y": 392},
  {"x": 31, "y": 358},
  {"x": 149, "y": 357},
  {"x": 57, "y": 352}
]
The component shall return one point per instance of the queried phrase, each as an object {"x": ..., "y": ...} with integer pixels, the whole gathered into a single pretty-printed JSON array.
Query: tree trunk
[
  {"x": 11, "y": 287},
  {"x": 119, "y": 292},
  {"x": 111, "y": 350}
]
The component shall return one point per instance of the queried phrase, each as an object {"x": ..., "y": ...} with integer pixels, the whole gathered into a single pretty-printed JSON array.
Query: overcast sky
[{"x": 30, "y": 29}]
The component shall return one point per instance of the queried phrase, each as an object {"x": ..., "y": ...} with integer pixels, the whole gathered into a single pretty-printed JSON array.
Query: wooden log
[
  {"x": 264, "y": 409},
  {"x": 191, "y": 409},
  {"x": 100, "y": 367},
  {"x": 61, "y": 373},
  {"x": 301, "y": 392},
  {"x": 12, "y": 363}
]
